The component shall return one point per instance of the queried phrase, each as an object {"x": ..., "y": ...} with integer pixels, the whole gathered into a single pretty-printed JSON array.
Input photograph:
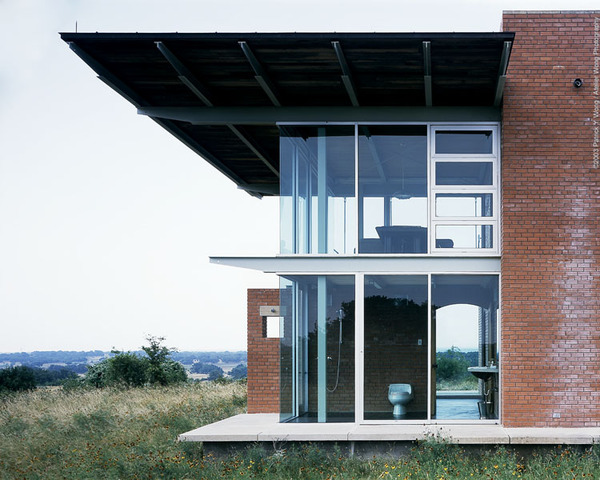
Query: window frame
[
  {"x": 433, "y": 220},
  {"x": 436, "y": 220}
]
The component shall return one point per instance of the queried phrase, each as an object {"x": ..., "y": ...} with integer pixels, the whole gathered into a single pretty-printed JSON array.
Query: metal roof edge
[{"x": 72, "y": 36}]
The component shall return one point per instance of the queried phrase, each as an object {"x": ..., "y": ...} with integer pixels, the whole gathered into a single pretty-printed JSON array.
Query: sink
[{"x": 484, "y": 373}]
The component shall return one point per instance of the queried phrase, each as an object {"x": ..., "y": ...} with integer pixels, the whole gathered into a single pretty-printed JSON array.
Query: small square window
[{"x": 274, "y": 327}]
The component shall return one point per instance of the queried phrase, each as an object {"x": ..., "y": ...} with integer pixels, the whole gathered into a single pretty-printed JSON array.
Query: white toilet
[{"x": 399, "y": 394}]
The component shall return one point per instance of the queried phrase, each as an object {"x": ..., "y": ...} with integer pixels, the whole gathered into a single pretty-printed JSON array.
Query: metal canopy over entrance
[{"x": 204, "y": 88}]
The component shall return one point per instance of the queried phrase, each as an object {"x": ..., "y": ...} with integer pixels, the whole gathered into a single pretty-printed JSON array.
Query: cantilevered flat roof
[{"x": 222, "y": 94}]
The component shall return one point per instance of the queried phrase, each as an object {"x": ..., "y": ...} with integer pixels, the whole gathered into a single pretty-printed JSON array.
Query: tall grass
[
  {"x": 107, "y": 433},
  {"x": 131, "y": 434}
]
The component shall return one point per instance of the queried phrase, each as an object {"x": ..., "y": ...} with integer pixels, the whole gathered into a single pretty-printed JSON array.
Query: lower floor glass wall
[
  {"x": 427, "y": 347},
  {"x": 317, "y": 349}
]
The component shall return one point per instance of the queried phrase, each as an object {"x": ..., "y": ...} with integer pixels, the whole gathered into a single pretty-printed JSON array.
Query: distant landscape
[{"x": 53, "y": 367}]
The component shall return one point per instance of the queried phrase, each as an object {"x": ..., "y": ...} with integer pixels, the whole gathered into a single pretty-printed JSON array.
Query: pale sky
[{"x": 106, "y": 220}]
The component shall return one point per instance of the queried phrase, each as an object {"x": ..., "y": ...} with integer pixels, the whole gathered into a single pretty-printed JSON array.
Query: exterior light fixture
[{"x": 578, "y": 82}]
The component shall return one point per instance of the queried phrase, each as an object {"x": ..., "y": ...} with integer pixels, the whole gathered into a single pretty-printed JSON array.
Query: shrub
[
  {"x": 239, "y": 372},
  {"x": 452, "y": 365},
  {"x": 126, "y": 369},
  {"x": 15, "y": 379},
  {"x": 131, "y": 370}
]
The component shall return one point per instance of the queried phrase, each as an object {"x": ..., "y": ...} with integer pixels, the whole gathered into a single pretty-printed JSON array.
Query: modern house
[{"x": 437, "y": 189}]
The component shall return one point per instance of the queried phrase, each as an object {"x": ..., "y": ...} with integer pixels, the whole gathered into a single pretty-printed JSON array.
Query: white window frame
[{"x": 493, "y": 189}]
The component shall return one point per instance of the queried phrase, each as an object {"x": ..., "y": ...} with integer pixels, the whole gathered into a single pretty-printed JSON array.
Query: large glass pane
[
  {"x": 392, "y": 185},
  {"x": 464, "y": 236},
  {"x": 318, "y": 208},
  {"x": 464, "y": 173},
  {"x": 396, "y": 347},
  {"x": 287, "y": 350},
  {"x": 463, "y": 205},
  {"x": 464, "y": 142},
  {"x": 465, "y": 331},
  {"x": 318, "y": 356}
]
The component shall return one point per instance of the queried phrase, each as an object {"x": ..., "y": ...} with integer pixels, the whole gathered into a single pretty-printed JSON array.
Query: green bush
[
  {"x": 239, "y": 372},
  {"x": 15, "y": 379},
  {"x": 127, "y": 369}
]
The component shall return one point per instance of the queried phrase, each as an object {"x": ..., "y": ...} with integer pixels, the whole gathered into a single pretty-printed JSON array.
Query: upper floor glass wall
[
  {"x": 318, "y": 204},
  {"x": 392, "y": 189},
  {"x": 389, "y": 189}
]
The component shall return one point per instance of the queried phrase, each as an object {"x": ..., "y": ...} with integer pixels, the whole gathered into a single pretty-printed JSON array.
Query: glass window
[
  {"x": 396, "y": 347},
  {"x": 464, "y": 236},
  {"x": 465, "y": 322},
  {"x": 413, "y": 369},
  {"x": 463, "y": 205},
  {"x": 336, "y": 200},
  {"x": 464, "y": 173},
  {"x": 318, "y": 207},
  {"x": 464, "y": 142},
  {"x": 392, "y": 182},
  {"x": 317, "y": 349}
]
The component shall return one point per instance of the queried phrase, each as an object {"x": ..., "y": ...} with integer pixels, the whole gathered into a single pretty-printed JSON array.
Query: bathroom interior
[{"x": 398, "y": 373}]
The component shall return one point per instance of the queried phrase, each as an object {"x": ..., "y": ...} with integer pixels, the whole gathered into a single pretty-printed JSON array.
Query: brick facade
[
  {"x": 550, "y": 224},
  {"x": 263, "y": 355}
]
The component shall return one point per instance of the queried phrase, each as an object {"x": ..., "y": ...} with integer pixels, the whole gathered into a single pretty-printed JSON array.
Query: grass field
[{"x": 131, "y": 434}]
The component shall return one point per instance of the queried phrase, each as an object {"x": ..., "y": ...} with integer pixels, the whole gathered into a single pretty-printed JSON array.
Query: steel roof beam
[
  {"x": 427, "y": 70},
  {"x": 346, "y": 74},
  {"x": 185, "y": 75},
  {"x": 502, "y": 73},
  {"x": 108, "y": 77},
  {"x": 253, "y": 146},
  {"x": 190, "y": 80},
  {"x": 260, "y": 74},
  {"x": 277, "y": 115}
]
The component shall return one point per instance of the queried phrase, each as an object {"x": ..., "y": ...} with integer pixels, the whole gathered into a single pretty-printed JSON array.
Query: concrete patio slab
[
  {"x": 551, "y": 436},
  {"x": 266, "y": 428},
  {"x": 387, "y": 433},
  {"x": 307, "y": 432}
]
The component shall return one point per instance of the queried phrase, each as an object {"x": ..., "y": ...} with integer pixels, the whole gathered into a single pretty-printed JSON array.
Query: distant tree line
[
  {"x": 154, "y": 364},
  {"x": 188, "y": 358},
  {"x": 39, "y": 358},
  {"x": 21, "y": 378},
  {"x": 215, "y": 372},
  {"x": 76, "y": 361}
]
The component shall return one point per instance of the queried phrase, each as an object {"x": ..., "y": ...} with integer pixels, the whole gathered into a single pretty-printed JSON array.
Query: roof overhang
[{"x": 223, "y": 94}]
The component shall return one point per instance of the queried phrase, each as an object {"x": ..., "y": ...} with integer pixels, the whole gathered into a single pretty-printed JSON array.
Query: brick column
[
  {"x": 263, "y": 355},
  {"x": 551, "y": 223}
]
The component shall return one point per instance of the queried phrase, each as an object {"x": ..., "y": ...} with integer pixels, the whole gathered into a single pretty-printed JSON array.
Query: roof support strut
[
  {"x": 190, "y": 80},
  {"x": 427, "y": 76},
  {"x": 346, "y": 74},
  {"x": 260, "y": 74},
  {"x": 185, "y": 75},
  {"x": 502, "y": 73}
]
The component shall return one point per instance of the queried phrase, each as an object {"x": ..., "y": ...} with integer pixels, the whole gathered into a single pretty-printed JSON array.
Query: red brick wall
[
  {"x": 263, "y": 355},
  {"x": 551, "y": 224}
]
